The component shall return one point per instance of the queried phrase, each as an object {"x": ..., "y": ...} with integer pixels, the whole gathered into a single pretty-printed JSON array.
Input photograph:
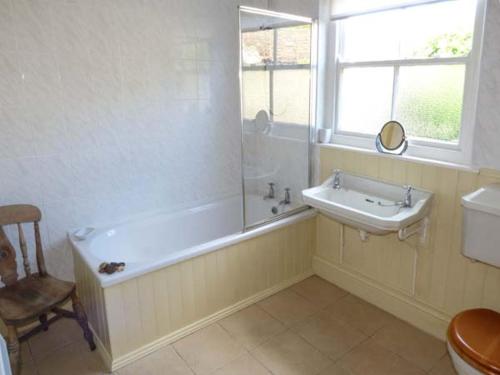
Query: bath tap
[
  {"x": 407, "y": 197},
  {"x": 336, "y": 179},
  {"x": 287, "y": 199},
  {"x": 270, "y": 194}
]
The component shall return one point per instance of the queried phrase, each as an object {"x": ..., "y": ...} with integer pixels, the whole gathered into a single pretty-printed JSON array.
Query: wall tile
[{"x": 109, "y": 108}]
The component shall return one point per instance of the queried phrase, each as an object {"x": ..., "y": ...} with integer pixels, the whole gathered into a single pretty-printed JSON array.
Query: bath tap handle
[{"x": 270, "y": 194}]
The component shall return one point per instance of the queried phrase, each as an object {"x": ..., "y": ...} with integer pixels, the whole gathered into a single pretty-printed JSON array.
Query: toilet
[
  {"x": 474, "y": 342},
  {"x": 474, "y": 335}
]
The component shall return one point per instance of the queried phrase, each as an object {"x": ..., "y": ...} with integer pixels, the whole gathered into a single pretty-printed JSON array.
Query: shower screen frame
[{"x": 312, "y": 108}]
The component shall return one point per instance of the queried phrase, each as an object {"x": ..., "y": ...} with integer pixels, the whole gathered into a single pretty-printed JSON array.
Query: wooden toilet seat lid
[{"x": 475, "y": 336}]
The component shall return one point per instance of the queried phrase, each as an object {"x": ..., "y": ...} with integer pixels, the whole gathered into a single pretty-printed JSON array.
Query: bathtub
[
  {"x": 150, "y": 242},
  {"x": 183, "y": 271}
]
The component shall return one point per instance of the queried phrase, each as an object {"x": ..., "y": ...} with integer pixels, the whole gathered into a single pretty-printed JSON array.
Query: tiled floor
[{"x": 311, "y": 328}]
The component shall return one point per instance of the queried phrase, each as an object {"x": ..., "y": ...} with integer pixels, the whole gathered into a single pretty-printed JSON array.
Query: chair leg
[
  {"x": 14, "y": 351},
  {"x": 81, "y": 318},
  {"x": 43, "y": 321}
]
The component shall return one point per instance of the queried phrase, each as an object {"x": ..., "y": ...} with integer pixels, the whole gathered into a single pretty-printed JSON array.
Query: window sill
[{"x": 415, "y": 159}]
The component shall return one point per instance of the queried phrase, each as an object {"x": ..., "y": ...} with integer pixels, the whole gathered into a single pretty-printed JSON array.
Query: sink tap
[
  {"x": 336, "y": 179},
  {"x": 270, "y": 194},
  {"x": 407, "y": 197},
  {"x": 287, "y": 199}
]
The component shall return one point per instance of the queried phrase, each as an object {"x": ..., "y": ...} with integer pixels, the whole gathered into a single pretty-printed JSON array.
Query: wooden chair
[{"x": 24, "y": 301}]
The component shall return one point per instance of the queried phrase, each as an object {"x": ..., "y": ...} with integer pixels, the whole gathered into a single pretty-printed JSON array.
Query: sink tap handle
[
  {"x": 407, "y": 197},
  {"x": 336, "y": 178}
]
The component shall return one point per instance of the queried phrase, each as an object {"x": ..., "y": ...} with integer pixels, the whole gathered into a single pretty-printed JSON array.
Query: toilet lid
[{"x": 475, "y": 336}]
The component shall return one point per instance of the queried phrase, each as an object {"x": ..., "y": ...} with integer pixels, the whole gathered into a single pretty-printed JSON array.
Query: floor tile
[
  {"x": 28, "y": 368},
  {"x": 251, "y": 326},
  {"x": 290, "y": 354},
  {"x": 335, "y": 370},
  {"x": 156, "y": 363},
  {"x": 360, "y": 314},
  {"x": 244, "y": 365},
  {"x": 288, "y": 307},
  {"x": 208, "y": 349},
  {"x": 444, "y": 367},
  {"x": 74, "y": 359},
  {"x": 333, "y": 337},
  {"x": 60, "y": 334},
  {"x": 412, "y": 344},
  {"x": 370, "y": 358},
  {"x": 319, "y": 291}
]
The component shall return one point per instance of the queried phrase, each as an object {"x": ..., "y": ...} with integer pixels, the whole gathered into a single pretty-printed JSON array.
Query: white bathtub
[{"x": 155, "y": 241}]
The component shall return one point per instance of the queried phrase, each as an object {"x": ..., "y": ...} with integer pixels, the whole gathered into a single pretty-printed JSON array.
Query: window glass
[
  {"x": 430, "y": 101},
  {"x": 407, "y": 65},
  {"x": 430, "y": 31},
  {"x": 371, "y": 38},
  {"x": 365, "y": 101},
  {"x": 438, "y": 30}
]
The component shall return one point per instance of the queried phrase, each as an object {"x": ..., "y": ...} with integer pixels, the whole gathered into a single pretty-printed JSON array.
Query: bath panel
[{"x": 139, "y": 315}]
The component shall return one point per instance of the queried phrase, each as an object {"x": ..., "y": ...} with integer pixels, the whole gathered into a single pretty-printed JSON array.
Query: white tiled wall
[{"x": 113, "y": 107}]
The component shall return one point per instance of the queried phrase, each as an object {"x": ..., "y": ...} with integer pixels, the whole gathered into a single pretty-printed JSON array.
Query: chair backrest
[{"x": 17, "y": 215}]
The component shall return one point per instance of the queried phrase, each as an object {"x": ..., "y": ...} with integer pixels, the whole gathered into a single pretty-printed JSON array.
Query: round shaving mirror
[{"x": 392, "y": 139}]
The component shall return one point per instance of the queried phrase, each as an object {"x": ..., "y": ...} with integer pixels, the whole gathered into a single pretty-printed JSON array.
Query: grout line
[{"x": 182, "y": 358}]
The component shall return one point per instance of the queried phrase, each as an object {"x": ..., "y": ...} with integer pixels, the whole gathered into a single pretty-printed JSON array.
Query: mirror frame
[{"x": 399, "y": 149}]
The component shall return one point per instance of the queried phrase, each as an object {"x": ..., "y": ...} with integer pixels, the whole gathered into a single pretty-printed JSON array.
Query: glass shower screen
[{"x": 276, "y": 86}]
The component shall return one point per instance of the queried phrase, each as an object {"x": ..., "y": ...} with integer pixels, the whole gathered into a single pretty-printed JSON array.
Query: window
[
  {"x": 415, "y": 65},
  {"x": 276, "y": 73}
]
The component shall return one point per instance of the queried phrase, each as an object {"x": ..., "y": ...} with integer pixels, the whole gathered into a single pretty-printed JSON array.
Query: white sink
[{"x": 369, "y": 205}]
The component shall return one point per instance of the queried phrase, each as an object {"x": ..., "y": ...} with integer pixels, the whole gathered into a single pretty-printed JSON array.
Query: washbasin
[{"x": 369, "y": 205}]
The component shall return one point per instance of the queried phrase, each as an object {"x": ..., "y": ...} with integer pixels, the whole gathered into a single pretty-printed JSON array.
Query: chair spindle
[
  {"x": 24, "y": 250},
  {"x": 40, "y": 261}
]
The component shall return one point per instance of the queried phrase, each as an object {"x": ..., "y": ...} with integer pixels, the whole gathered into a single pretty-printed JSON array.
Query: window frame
[{"x": 461, "y": 152}]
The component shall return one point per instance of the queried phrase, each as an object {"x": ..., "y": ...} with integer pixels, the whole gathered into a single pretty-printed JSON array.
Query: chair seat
[{"x": 31, "y": 297}]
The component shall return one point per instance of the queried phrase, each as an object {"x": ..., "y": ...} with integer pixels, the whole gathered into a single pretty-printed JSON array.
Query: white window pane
[
  {"x": 255, "y": 92},
  {"x": 447, "y": 32},
  {"x": 427, "y": 31},
  {"x": 291, "y": 96},
  {"x": 371, "y": 37},
  {"x": 293, "y": 45},
  {"x": 429, "y": 103},
  {"x": 365, "y": 99}
]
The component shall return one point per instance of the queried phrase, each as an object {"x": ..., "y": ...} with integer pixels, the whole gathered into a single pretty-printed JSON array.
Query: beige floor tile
[
  {"x": 370, "y": 358},
  {"x": 290, "y": 354},
  {"x": 26, "y": 352},
  {"x": 333, "y": 337},
  {"x": 288, "y": 307},
  {"x": 244, "y": 365},
  {"x": 319, "y": 291},
  {"x": 28, "y": 368},
  {"x": 157, "y": 363},
  {"x": 74, "y": 359},
  {"x": 60, "y": 334},
  {"x": 360, "y": 314},
  {"x": 412, "y": 344},
  {"x": 208, "y": 349},
  {"x": 335, "y": 370},
  {"x": 252, "y": 326},
  {"x": 444, "y": 367}
]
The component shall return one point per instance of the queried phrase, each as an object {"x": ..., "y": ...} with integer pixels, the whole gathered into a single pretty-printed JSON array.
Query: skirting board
[
  {"x": 115, "y": 364},
  {"x": 423, "y": 317}
]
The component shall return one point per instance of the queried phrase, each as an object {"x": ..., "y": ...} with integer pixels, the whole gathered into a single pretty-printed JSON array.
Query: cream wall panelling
[{"x": 435, "y": 278}]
